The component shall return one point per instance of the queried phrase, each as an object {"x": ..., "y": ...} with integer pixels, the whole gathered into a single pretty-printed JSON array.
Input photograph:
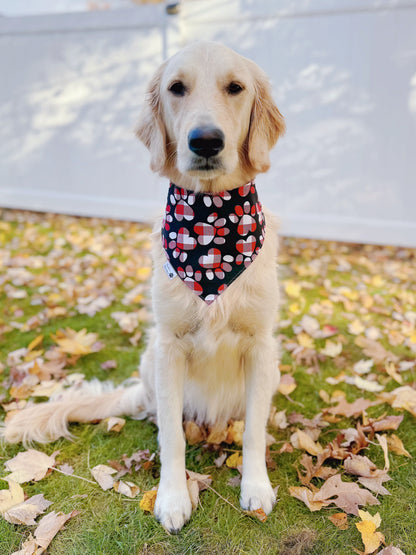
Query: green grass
[{"x": 109, "y": 523}]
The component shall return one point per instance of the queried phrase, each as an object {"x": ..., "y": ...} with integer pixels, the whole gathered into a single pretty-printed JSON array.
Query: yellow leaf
[
  {"x": 395, "y": 445},
  {"x": 235, "y": 432},
  {"x": 305, "y": 340},
  {"x": 147, "y": 503},
  {"x": 292, "y": 288},
  {"x": 355, "y": 327},
  {"x": 371, "y": 539},
  {"x": 73, "y": 342},
  {"x": 257, "y": 513},
  {"x": 143, "y": 273},
  {"x": 331, "y": 348},
  {"x": 234, "y": 460},
  {"x": 287, "y": 384},
  {"x": 35, "y": 343},
  {"x": 194, "y": 434},
  {"x": 307, "y": 496}
]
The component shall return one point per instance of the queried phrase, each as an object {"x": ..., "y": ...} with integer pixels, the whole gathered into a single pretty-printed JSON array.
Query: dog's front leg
[
  {"x": 173, "y": 505},
  {"x": 261, "y": 374}
]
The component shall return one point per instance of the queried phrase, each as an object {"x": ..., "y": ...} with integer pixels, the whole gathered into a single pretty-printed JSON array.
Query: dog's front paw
[
  {"x": 173, "y": 508},
  {"x": 257, "y": 495}
]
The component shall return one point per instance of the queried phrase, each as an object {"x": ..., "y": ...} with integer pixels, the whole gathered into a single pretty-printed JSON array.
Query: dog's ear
[
  {"x": 151, "y": 129},
  {"x": 266, "y": 124}
]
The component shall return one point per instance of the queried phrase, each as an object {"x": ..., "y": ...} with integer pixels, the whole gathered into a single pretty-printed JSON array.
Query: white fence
[{"x": 344, "y": 76}]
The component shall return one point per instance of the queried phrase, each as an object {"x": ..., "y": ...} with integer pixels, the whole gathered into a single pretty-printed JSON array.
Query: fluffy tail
[{"x": 46, "y": 422}]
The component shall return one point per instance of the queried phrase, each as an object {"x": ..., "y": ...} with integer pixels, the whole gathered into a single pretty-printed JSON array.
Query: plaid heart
[
  {"x": 246, "y": 246},
  {"x": 184, "y": 241},
  {"x": 183, "y": 211}
]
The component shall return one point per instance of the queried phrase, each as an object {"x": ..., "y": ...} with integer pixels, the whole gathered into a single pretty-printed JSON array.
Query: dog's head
[{"x": 209, "y": 113}]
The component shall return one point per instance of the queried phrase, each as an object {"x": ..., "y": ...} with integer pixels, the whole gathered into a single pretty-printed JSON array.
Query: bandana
[{"x": 210, "y": 239}]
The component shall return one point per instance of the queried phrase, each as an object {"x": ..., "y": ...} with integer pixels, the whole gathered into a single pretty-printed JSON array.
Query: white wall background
[{"x": 344, "y": 76}]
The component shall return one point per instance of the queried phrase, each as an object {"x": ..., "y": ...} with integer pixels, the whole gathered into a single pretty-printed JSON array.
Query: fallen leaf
[
  {"x": 367, "y": 528},
  {"x": 348, "y": 496},
  {"x": 26, "y": 512},
  {"x": 287, "y": 384},
  {"x": 127, "y": 488},
  {"x": 340, "y": 520},
  {"x": 103, "y": 475},
  {"x": 147, "y": 503},
  {"x": 308, "y": 497},
  {"x": 235, "y": 460},
  {"x": 259, "y": 514},
  {"x": 351, "y": 409},
  {"x": 396, "y": 446},
  {"x": 194, "y": 434},
  {"x": 331, "y": 348},
  {"x": 30, "y": 465},
  {"x": 115, "y": 424},
  {"x": 11, "y": 497},
  {"x": 301, "y": 440},
  {"x": 75, "y": 342}
]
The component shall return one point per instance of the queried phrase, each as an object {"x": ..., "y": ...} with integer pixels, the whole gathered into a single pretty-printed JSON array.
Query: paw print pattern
[
  {"x": 217, "y": 236},
  {"x": 212, "y": 230}
]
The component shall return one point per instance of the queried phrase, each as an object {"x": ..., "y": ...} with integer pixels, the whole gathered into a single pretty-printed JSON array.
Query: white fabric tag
[{"x": 169, "y": 269}]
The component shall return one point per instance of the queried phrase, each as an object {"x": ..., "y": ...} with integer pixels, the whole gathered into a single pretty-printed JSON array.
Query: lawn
[{"x": 348, "y": 331}]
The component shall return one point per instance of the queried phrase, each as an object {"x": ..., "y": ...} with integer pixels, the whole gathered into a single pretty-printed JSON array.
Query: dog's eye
[
  {"x": 177, "y": 88},
  {"x": 234, "y": 88}
]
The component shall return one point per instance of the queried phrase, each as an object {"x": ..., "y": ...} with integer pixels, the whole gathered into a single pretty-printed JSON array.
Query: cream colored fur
[{"x": 204, "y": 362}]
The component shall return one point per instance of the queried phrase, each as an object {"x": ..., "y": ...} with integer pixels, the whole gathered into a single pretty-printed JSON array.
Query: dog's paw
[
  {"x": 257, "y": 495},
  {"x": 173, "y": 509}
]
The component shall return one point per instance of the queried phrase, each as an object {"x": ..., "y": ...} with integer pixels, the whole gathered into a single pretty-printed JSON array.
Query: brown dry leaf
[
  {"x": 360, "y": 465},
  {"x": 147, "y": 503},
  {"x": 193, "y": 491},
  {"x": 287, "y": 384},
  {"x": 367, "y": 528},
  {"x": 196, "y": 483},
  {"x": 277, "y": 419},
  {"x": 75, "y": 342},
  {"x": 234, "y": 461},
  {"x": 259, "y": 514},
  {"x": 26, "y": 512},
  {"x": 30, "y": 465},
  {"x": 217, "y": 434},
  {"x": 313, "y": 471},
  {"x": 403, "y": 397},
  {"x": 308, "y": 497},
  {"x": 393, "y": 373},
  {"x": 127, "y": 488},
  {"x": 375, "y": 350},
  {"x": 395, "y": 445},
  {"x": 351, "y": 409},
  {"x": 194, "y": 434},
  {"x": 115, "y": 424},
  {"x": 391, "y": 422},
  {"x": 103, "y": 475},
  {"x": 348, "y": 496},
  {"x": 391, "y": 550},
  {"x": 47, "y": 529},
  {"x": 340, "y": 520},
  {"x": 35, "y": 343},
  {"x": 301, "y": 440}
]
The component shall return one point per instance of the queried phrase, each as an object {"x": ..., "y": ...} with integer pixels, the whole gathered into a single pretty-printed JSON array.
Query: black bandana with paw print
[{"x": 210, "y": 239}]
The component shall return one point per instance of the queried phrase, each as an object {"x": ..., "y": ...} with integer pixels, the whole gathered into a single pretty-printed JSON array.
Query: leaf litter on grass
[{"x": 349, "y": 321}]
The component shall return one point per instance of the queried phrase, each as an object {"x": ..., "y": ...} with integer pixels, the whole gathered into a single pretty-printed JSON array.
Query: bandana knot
[{"x": 210, "y": 239}]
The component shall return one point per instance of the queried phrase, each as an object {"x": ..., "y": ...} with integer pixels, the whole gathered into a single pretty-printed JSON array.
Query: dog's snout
[{"x": 206, "y": 141}]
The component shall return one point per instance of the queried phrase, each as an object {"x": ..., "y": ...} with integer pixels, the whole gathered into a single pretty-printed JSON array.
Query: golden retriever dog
[{"x": 209, "y": 122}]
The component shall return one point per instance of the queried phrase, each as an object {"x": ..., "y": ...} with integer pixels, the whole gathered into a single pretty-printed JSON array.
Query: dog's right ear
[{"x": 151, "y": 129}]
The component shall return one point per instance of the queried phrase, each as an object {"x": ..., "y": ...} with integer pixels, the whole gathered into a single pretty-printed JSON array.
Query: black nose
[{"x": 206, "y": 141}]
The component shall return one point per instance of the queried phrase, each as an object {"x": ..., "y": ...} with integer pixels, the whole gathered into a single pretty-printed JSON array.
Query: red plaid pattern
[
  {"x": 210, "y": 260},
  {"x": 210, "y": 239},
  {"x": 246, "y": 225},
  {"x": 246, "y": 246},
  {"x": 183, "y": 211},
  {"x": 205, "y": 232},
  {"x": 184, "y": 241}
]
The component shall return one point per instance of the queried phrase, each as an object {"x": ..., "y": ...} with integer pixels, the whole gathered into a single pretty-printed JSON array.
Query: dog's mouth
[{"x": 199, "y": 165}]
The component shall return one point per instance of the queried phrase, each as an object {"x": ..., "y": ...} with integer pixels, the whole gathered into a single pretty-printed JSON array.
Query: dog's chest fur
[{"x": 217, "y": 338}]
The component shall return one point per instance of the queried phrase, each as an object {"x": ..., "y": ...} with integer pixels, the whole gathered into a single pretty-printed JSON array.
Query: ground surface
[{"x": 342, "y": 304}]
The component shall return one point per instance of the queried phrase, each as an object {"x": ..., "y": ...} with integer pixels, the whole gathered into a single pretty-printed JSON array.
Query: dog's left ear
[
  {"x": 266, "y": 123},
  {"x": 151, "y": 129}
]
